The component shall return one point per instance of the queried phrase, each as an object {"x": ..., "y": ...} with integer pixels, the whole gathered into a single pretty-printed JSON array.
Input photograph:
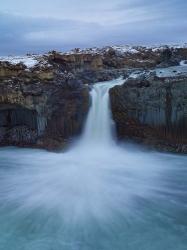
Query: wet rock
[
  {"x": 37, "y": 111},
  {"x": 153, "y": 111}
]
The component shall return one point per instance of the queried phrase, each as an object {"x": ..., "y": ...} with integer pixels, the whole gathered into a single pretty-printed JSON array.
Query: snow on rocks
[
  {"x": 28, "y": 61},
  {"x": 161, "y": 47},
  {"x": 125, "y": 49},
  {"x": 122, "y": 49},
  {"x": 79, "y": 51}
]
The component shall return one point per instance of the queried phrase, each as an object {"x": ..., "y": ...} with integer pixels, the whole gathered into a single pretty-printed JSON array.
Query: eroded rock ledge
[
  {"x": 152, "y": 110},
  {"x": 39, "y": 107}
]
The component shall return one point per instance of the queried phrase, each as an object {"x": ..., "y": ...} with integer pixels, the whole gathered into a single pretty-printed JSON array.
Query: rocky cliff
[
  {"x": 152, "y": 110},
  {"x": 116, "y": 58},
  {"x": 44, "y": 99},
  {"x": 39, "y": 107}
]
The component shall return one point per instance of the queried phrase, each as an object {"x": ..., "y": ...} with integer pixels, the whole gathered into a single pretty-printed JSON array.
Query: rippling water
[{"x": 97, "y": 196}]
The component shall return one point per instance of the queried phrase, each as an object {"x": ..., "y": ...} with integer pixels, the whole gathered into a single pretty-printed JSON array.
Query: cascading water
[
  {"x": 97, "y": 196},
  {"x": 99, "y": 126}
]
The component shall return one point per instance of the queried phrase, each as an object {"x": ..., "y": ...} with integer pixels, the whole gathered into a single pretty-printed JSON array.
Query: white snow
[
  {"x": 125, "y": 49},
  {"x": 156, "y": 49},
  {"x": 83, "y": 51},
  {"x": 28, "y": 61},
  {"x": 122, "y": 49}
]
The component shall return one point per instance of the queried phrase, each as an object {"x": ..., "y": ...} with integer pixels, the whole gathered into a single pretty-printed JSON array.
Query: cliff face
[
  {"x": 117, "y": 58},
  {"x": 44, "y": 99},
  {"x": 39, "y": 108},
  {"x": 152, "y": 110}
]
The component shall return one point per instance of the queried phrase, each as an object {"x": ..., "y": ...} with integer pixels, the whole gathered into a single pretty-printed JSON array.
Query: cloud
[
  {"x": 25, "y": 34},
  {"x": 79, "y": 23}
]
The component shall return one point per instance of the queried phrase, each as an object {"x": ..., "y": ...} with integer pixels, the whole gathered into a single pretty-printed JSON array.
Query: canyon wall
[
  {"x": 39, "y": 108},
  {"x": 44, "y": 99},
  {"x": 152, "y": 110}
]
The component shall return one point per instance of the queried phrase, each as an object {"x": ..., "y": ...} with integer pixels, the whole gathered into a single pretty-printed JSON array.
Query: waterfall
[
  {"x": 97, "y": 195},
  {"x": 99, "y": 124}
]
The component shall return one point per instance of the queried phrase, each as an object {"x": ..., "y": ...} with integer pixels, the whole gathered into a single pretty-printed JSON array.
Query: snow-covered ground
[{"x": 28, "y": 61}]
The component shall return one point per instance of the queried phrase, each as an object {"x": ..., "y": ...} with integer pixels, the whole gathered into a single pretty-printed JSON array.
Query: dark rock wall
[
  {"x": 17, "y": 125},
  {"x": 69, "y": 111},
  {"x": 44, "y": 114},
  {"x": 152, "y": 110}
]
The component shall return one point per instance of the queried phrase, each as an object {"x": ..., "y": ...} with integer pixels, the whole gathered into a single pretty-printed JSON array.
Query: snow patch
[
  {"x": 125, "y": 49},
  {"x": 28, "y": 61},
  {"x": 78, "y": 51},
  {"x": 122, "y": 49}
]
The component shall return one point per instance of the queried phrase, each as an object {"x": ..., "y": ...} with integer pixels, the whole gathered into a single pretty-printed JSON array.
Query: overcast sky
[{"x": 42, "y": 25}]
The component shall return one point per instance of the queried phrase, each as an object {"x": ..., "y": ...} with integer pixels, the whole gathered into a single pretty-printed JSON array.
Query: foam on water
[{"x": 96, "y": 196}]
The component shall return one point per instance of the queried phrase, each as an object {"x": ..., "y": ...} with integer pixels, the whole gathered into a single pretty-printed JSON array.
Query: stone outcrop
[
  {"x": 77, "y": 62},
  {"x": 39, "y": 108},
  {"x": 9, "y": 70},
  {"x": 152, "y": 110},
  {"x": 118, "y": 57}
]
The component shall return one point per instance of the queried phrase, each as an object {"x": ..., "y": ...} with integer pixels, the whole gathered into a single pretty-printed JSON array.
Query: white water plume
[{"x": 99, "y": 126}]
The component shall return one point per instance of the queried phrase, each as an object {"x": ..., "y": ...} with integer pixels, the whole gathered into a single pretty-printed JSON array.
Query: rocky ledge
[
  {"x": 40, "y": 107},
  {"x": 152, "y": 109},
  {"x": 44, "y": 99}
]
